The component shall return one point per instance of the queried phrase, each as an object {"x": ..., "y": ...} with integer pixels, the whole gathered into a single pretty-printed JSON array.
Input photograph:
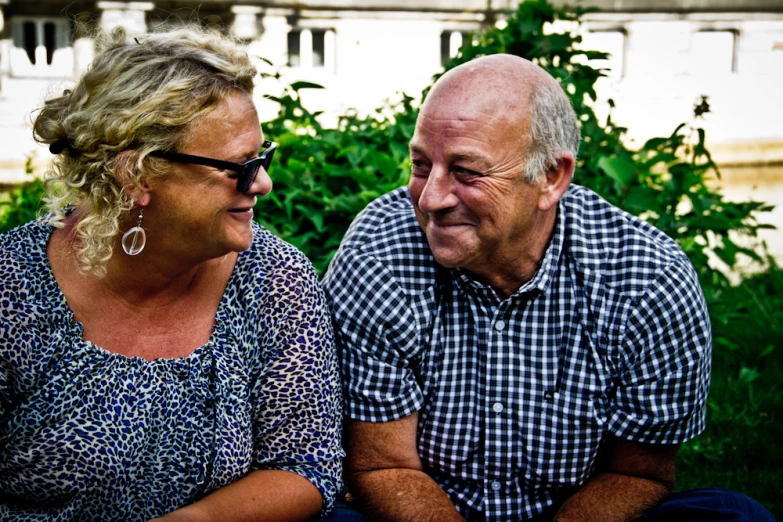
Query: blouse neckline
[{"x": 75, "y": 329}]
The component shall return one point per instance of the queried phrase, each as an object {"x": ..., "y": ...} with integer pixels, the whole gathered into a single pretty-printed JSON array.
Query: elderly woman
[{"x": 161, "y": 355}]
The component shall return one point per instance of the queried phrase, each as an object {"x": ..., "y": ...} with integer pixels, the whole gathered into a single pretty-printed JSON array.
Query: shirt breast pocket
[{"x": 564, "y": 438}]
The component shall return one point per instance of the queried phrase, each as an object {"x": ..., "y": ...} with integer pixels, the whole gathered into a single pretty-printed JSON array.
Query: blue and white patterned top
[
  {"x": 88, "y": 435},
  {"x": 516, "y": 396}
]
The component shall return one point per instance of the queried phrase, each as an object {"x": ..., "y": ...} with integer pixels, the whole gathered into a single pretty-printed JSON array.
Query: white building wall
[
  {"x": 670, "y": 62},
  {"x": 373, "y": 60},
  {"x": 376, "y": 55}
]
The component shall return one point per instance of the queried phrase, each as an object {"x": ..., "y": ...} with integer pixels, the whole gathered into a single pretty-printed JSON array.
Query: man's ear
[
  {"x": 124, "y": 168},
  {"x": 556, "y": 181}
]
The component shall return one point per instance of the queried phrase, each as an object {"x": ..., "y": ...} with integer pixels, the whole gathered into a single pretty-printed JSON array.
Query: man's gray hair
[{"x": 554, "y": 129}]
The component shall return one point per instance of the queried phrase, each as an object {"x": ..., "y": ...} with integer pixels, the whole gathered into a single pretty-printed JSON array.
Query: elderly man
[{"x": 513, "y": 346}]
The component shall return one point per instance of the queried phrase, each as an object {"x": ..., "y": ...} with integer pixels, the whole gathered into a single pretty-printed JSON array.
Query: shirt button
[
  {"x": 499, "y": 325},
  {"x": 496, "y": 486},
  {"x": 497, "y": 407}
]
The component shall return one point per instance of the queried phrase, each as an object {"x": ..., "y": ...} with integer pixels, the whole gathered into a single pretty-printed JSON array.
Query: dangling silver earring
[{"x": 133, "y": 240}]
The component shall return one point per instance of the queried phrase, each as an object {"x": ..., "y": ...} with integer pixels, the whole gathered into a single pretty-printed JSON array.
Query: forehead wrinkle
[{"x": 471, "y": 134}]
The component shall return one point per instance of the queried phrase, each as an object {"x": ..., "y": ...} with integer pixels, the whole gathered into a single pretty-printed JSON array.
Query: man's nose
[{"x": 438, "y": 192}]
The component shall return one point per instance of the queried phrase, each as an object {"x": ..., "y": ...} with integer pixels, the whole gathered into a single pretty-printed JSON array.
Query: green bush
[
  {"x": 323, "y": 177},
  {"x": 22, "y": 204},
  {"x": 740, "y": 448}
]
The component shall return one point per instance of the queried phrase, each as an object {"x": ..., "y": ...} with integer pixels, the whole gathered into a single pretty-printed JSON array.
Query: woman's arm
[
  {"x": 263, "y": 495},
  {"x": 295, "y": 398}
]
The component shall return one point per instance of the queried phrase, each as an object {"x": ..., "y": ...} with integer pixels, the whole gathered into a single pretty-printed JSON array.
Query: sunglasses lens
[
  {"x": 251, "y": 168},
  {"x": 266, "y": 158},
  {"x": 248, "y": 175}
]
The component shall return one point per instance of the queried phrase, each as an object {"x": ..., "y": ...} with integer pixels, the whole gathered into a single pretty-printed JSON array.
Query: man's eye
[
  {"x": 419, "y": 167},
  {"x": 464, "y": 173}
]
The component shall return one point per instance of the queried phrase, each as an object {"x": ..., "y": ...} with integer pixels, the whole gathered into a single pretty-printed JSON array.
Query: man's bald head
[{"x": 522, "y": 94}]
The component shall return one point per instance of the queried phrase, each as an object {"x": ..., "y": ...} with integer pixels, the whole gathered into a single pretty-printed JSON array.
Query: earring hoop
[{"x": 135, "y": 239}]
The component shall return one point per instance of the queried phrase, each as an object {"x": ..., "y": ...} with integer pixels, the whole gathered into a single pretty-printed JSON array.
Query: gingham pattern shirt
[{"x": 515, "y": 396}]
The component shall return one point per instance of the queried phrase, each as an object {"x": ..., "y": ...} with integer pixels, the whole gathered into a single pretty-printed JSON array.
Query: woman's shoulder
[
  {"x": 36, "y": 231},
  {"x": 269, "y": 254},
  {"x": 23, "y": 250},
  {"x": 28, "y": 299},
  {"x": 268, "y": 277}
]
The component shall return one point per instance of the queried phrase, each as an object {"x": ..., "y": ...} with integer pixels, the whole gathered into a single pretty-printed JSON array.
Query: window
[
  {"x": 41, "y": 47},
  {"x": 713, "y": 52},
  {"x": 295, "y": 48},
  {"x": 450, "y": 43},
  {"x": 319, "y": 46},
  {"x": 37, "y": 34},
  {"x": 311, "y": 48}
]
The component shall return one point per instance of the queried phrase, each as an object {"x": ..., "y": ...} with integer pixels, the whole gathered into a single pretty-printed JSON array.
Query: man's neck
[{"x": 516, "y": 266}]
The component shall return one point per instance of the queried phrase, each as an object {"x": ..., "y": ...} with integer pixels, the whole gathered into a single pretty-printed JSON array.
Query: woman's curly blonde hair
[{"x": 139, "y": 95}]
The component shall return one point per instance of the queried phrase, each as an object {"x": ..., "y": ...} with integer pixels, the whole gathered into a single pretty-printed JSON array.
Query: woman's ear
[
  {"x": 556, "y": 181},
  {"x": 125, "y": 167}
]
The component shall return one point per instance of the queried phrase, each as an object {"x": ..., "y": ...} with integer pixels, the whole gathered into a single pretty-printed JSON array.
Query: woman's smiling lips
[{"x": 242, "y": 212}]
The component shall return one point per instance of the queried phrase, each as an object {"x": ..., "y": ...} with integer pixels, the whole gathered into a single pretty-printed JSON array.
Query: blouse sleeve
[
  {"x": 14, "y": 319},
  {"x": 298, "y": 420}
]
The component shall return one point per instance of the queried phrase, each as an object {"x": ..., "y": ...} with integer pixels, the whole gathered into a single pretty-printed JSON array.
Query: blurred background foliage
[{"x": 324, "y": 176}]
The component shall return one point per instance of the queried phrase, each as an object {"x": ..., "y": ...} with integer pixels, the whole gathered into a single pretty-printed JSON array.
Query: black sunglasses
[{"x": 246, "y": 172}]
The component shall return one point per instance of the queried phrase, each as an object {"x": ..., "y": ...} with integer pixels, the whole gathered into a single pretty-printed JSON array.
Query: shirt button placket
[{"x": 498, "y": 418}]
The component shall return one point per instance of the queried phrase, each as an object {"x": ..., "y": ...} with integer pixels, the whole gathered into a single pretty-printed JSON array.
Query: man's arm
[
  {"x": 634, "y": 478},
  {"x": 384, "y": 473}
]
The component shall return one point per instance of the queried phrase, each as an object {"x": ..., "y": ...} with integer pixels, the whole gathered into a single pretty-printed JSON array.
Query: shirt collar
[{"x": 543, "y": 276}]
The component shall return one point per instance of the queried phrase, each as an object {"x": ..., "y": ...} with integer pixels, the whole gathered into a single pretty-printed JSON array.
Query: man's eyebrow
[
  {"x": 413, "y": 147},
  {"x": 456, "y": 156},
  {"x": 467, "y": 156}
]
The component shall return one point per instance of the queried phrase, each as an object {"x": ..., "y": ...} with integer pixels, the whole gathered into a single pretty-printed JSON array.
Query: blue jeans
[
  {"x": 341, "y": 512},
  {"x": 692, "y": 505},
  {"x": 708, "y": 505}
]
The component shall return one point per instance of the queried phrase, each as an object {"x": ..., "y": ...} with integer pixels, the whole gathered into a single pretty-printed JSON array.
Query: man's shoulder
[
  {"x": 388, "y": 229},
  {"x": 387, "y": 235},
  {"x": 627, "y": 251}
]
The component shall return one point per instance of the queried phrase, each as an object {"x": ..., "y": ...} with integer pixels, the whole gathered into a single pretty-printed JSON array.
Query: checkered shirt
[{"x": 516, "y": 396}]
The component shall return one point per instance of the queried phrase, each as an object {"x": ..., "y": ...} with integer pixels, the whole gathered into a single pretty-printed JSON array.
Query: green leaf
[
  {"x": 619, "y": 169},
  {"x": 384, "y": 163},
  {"x": 726, "y": 343},
  {"x": 297, "y": 86},
  {"x": 748, "y": 375},
  {"x": 641, "y": 198},
  {"x": 316, "y": 218}
]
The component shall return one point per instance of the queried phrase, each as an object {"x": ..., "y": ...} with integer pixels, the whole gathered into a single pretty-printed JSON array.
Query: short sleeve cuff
[
  {"x": 326, "y": 476},
  {"x": 369, "y": 407},
  {"x": 649, "y": 430}
]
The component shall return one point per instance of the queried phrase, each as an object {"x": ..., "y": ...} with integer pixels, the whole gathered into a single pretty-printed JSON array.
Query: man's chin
[{"x": 447, "y": 257}]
